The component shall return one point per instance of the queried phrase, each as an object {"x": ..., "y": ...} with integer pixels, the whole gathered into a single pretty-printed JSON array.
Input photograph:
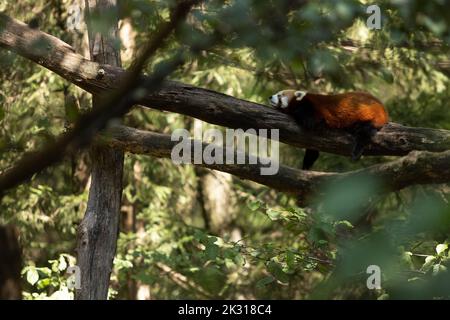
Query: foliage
[
  {"x": 283, "y": 251},
  {"x": 49, "y": 282}
]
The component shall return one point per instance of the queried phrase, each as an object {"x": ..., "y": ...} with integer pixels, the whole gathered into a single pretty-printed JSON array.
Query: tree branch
[
  {"x": 207, "y": 105},
  {"x": 418, "y": 167}
]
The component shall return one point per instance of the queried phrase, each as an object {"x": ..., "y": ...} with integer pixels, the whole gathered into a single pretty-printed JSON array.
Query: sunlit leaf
[
  {"x": 32, "y": 276},
  {"x": 441, "y": 248}
]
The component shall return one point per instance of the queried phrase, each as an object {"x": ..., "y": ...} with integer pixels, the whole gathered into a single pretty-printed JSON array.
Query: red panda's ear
[{"x": 299, "y": 95}]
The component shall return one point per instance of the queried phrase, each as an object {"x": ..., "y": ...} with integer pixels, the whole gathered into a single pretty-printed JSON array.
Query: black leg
[
  {"x": 358, "y": 149},
  {"x": 309, "y": 158},
  {"x": 363, "y": 134}
]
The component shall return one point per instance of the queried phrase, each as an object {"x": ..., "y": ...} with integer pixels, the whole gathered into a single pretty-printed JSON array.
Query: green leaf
[
  {"x": 344, "y": 223},
  {"x": 71, "y": 108},
  {"x": 45, "y": 270},
  {"x": 62, "y": 264},
  {"x": 239, "y": 260},
  {"x": 229, "y": 263},
  {"x": 62, "y": 294},
  {"x": 32, "y": 276},
  {"x": 211, "y": 278},
  {"x": 406, "y": 259},
  {"x": 264, "y": 281},
  {"x": 273, "y": 214},
  {"x": 290, "y": 259},
  {"x": 384, "y": 296},
  {"x": 200, "y": 236},
  {"x": 441, "y": 248},
  {"x": 387, "y": 75},
  {"x": 211, "y": 251},
  {"x": 429, "y": 261},
  {"x": 122, "y": 264},
  {"x": 254, "y": 205},
  {"x": 43, "y": 283},
  {"x": 277, "y": 271}
]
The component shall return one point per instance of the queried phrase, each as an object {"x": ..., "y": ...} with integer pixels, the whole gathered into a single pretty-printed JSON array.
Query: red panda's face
[{"x": 282, "y": 99}]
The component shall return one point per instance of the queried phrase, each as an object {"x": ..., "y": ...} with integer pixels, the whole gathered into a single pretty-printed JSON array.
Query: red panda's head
[{"x": 283, "y": 99}]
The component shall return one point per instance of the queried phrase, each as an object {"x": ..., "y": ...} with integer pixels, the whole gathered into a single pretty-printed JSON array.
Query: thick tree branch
[
  {"x": 136, "y": 141},
  {"x": 207, "y": 105},
  {"x": 418, "y": 167}
]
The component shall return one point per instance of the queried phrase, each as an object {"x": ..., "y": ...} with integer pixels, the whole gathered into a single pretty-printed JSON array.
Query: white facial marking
[
  {"x": 274, "y": 100},
  {"x": 300, "y": 95},
  {"x": 284, "y": 102}
]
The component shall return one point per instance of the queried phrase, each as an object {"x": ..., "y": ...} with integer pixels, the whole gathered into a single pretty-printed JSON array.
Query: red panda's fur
[
  {"x": 346, "y": 109},
  {"x": 359, "y": 113}
]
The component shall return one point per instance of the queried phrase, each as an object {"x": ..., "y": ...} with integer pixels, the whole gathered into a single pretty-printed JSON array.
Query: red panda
[{"x": 359, "y": 113}]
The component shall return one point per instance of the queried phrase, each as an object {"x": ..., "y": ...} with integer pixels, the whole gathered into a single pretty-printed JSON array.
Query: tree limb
[
  {"x": 208, "y": 105},
  {"x": 418, "y": 167}
]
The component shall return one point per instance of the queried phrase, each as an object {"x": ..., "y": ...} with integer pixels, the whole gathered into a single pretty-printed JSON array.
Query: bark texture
[{"x": 97, "y": 233}]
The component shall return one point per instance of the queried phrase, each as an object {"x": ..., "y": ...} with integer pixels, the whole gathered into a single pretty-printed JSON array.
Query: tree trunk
[
  {"x": 10, "y": 264},
  {"x": 99, "y": 229}
]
